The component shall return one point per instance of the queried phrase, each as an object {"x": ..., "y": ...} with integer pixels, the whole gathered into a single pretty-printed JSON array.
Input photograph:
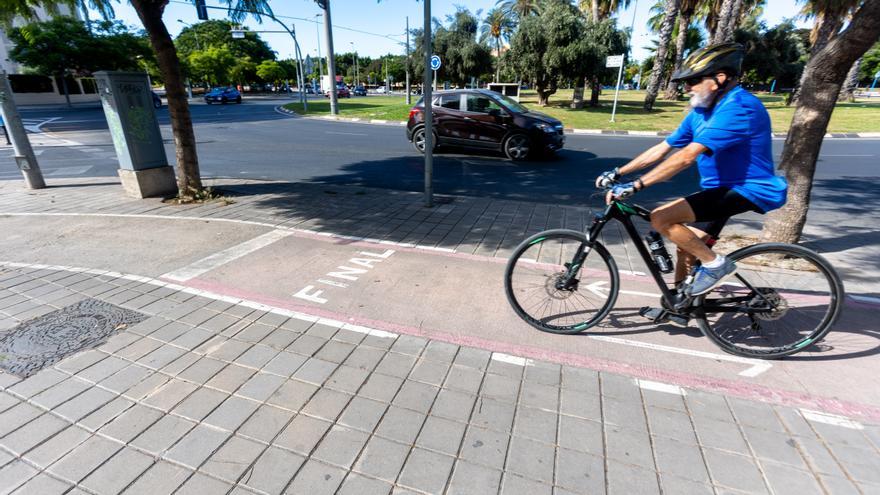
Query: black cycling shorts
[{"x": 714, "y": 207}]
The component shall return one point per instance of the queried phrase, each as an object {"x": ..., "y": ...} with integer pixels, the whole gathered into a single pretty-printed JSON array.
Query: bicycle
[{"x": 744, "y": 315}]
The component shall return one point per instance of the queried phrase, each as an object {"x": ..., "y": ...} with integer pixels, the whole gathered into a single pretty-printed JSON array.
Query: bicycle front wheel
[
  {"x": 539, "y": 290},
  {"x": 782, "y": 299}
]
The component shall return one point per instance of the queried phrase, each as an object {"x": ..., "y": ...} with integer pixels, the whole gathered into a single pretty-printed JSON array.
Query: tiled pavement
[
  {"x": 216, "y": 395},
  {"x": 209, "y": 395}
]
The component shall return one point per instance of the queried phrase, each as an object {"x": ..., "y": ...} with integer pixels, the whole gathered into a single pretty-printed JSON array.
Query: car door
[
  {"x": 485, "y": 118},
  {"x": 448, "y": 117}
]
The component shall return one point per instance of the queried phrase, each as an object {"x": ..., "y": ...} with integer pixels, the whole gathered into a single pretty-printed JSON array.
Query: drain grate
[{"x": 42, "y": 342}]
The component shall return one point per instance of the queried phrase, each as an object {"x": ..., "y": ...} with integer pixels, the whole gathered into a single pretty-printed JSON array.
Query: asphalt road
[{"x": 253, "y": 140}]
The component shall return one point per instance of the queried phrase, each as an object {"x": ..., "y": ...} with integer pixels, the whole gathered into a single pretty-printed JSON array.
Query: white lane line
[
  {"x": 346, "y": 133},
  {"x": 865, "y": 299},
  {"x": 756, "y": 366},
  {"x": 515, "y": 360},
  {"x": 659, "y": 387},
  {"x": 829, "y": 156},
  {"x": 831, "y": 419},
  {"x": 68, "y": 171},
  {"x": 217, "y": 259}
]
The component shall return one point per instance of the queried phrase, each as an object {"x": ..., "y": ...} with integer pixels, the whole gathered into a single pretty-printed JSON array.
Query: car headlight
[{"x": 546, "y": 128}]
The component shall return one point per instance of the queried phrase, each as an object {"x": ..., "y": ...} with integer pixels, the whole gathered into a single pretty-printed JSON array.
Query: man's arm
[
  {"x": 649, "y": 157},
  {"x": 672, "y": 165}
]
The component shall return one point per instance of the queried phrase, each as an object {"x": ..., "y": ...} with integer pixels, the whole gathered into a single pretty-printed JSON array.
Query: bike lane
[{"x": 460, "y": 298}]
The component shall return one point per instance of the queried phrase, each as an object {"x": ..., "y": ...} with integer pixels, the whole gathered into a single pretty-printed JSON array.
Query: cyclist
[{"x": 727, "y": 133}]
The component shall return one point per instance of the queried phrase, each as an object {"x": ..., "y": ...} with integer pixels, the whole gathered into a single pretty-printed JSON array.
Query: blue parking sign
[{"x": 435, "y": 62}]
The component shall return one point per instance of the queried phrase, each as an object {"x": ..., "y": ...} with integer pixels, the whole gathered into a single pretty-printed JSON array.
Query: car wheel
[
  {"x": 208, "y": 102},
  {"x": 517, "y": 147},
  {"x": 223, "y": 101},
  {"x": 418, "y": 140},
  {"x": 157, "y": 104}
]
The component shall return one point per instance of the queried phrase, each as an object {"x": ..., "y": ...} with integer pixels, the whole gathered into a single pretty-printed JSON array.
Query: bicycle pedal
[{"x": 656, "y": 315}]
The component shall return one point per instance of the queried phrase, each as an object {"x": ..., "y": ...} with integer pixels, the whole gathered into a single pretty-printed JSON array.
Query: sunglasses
[{"x": 693, "y": 81}]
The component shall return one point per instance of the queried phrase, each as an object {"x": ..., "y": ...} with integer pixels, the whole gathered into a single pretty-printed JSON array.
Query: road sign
[
  {"x": 614, "y": 61},
  {"x": 877, "y": 74},
  {"x": 237, "y": 35},
  {"x": 435, "y": 62},
  {"x": 201, "y": 10}
]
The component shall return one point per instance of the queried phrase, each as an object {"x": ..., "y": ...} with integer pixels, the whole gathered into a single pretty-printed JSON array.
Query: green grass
[{"x": 861, "y": 116}]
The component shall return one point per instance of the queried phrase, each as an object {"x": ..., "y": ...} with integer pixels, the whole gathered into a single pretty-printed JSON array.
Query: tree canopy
[
  {"x": 63, "y": 45},
  {"x": 217, "y": 33}
]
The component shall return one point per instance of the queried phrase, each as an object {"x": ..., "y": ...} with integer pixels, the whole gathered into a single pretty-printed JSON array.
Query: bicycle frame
[{"x": 621, "y": 212}]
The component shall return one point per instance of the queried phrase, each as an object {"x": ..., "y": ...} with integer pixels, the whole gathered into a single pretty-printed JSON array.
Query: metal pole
[
  {"x": 617, "y": 91},
  {"x": 301, "y": 72},
  {"x": 331, "y": 64},
  {"x": 24, "y": 154},
  {"x": 320, "y": 64},
  {"x": 408, "y": 90},
  {"x": 429, "y": 124}
]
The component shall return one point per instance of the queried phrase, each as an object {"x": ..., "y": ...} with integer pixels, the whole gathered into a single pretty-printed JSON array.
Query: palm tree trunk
[
  {"x": 824, "y": 75},
  {"x": 498, "y": 60},
  {"x": 847, "y": 93},
  {"x": 669, "y": 16},
  {"x": 684, "y": 20},
  {"x": 725, "y": 18},
  {"x": 594, "y": 10},
  {"x": 188, "y": 176}
]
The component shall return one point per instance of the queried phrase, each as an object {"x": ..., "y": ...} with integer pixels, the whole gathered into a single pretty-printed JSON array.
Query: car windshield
[{"x": 510, "y": 103}]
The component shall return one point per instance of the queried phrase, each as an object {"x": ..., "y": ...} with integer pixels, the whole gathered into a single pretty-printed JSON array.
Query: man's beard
[{"x": 702, "y": 100}]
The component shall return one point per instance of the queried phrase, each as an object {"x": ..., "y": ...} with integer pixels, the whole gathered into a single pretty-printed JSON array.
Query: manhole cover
[{"x": 43, "y": 341}]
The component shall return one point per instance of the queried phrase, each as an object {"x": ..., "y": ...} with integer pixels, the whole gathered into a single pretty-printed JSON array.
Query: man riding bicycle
[{"x": 727, "y": 133}]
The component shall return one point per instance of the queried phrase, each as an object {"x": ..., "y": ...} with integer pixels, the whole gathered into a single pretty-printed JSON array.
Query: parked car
[
  {"x": 359, "y": 91},
  {"x": 157, "y": 101},
  {"x": 341, "y": 92},
  {"x": 223, "y": 95},
  {"x": 483, "y": 119},
  {"x": 381, "y": 90}
]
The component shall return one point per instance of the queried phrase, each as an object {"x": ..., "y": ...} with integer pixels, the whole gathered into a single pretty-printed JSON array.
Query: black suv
[{"x": 482, "y": 119}]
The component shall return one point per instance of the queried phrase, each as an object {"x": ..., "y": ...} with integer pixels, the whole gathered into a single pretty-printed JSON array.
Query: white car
[{"x": 380, "y": 90}]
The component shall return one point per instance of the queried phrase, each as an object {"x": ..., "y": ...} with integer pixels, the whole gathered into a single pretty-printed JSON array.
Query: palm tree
[
  {"x": 685, "y": 14},
  {"x": 669, "y": 16},
  {"x": 595, "y": 11},
  {"x": 823, "y": 77},
  {"x": 498, "y": 24},
  {"x": 150, "y": 13},
  {"x": 519, "y": 8}
]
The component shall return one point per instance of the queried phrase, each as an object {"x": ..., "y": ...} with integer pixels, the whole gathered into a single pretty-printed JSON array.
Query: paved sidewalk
[
  {"x": 195, "y": 392},
  {"x": 210, "y": 393}
]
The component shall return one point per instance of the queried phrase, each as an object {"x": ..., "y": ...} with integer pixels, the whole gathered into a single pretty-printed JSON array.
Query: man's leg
[
  {"x": 669, "y": 221},
  {"x": 684, "y": 261}
]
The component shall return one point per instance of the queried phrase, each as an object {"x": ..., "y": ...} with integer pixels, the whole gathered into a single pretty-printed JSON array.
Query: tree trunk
[
  {"x": 824, "y": 30},
  {"x": 594, "y": 10},
  {"x": 724, "y": 32},
  {"x": 669, "y": 16},
  {"x": 577, "y": 98},
  {"x": 498, "y": 60},
  {"x": 684, "y": 20},
  {"x": 65, "y": 89},
  {"x": 847, "y": 92},
  {"x": 595, "y": 91},
  {"x": 824, "y": 75},
  {"x": 188, "y": 178}
]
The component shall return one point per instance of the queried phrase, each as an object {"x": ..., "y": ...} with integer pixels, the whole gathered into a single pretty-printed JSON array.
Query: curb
[{"x": 568, "y": 130}]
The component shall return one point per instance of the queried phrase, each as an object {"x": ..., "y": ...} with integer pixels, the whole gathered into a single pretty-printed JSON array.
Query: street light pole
[
  {"x": 331, "y": 64},
  {"x": 24, "y": 154},
  {"x": 408, "y": 91},
  {"x": 320, "y": 64},
  {"x": 427, "y": 46}
]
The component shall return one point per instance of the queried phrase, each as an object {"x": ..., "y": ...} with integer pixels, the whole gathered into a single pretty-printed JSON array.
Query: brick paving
[{"x": 216, "y": 395}]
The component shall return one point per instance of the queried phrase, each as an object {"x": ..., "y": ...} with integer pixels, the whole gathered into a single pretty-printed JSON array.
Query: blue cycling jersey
[{"x": 737, "y": 132}]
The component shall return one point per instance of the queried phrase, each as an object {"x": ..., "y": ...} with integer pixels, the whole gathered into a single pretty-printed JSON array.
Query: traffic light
[{"x": 201, "y": 10}]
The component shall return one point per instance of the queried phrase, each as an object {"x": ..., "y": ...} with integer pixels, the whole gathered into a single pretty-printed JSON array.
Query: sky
[{"x": 377, "y": 28}]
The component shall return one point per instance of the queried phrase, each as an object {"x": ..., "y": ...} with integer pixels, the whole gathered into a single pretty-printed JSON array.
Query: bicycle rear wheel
[
  {"x": 535, "y": 275},
  {"x": 782, "y": 299}
]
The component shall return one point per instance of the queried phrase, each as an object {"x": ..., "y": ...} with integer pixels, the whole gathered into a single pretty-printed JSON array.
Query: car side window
[
  {"x": 481, "y": 104},
  {"x": 452, "y": 102}
]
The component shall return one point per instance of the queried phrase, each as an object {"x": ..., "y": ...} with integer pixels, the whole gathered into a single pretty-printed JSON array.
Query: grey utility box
[{"x": 128, "y": 107}]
